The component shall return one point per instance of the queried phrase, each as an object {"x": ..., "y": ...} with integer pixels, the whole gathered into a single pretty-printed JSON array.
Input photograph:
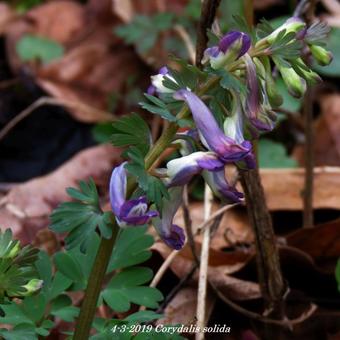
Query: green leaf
[
  {"x": 273, "y": 155},
  {"x": 81, "y": 218},
  {"x": 22, "y": 331},
  {"x": 153, "y": 187},
  {"x": 34, "y": 306},
  {"x": 143, "y": 316},
  {"x": 264, "y": 28},
  {"x": 143, "y": 31},
  {"x": 132, "y": 130},
  {"x": 157, "y": 107},
  {"x": 230, "y": 82},
  {"x": 69, "y": 267},
  {"x": 102, "y": 132},
  {"x": 31, "y": 47},
  {"x": 14, "y": 315},
  {"x": 286, "y": 46},
  {"x": 131, "y": 248},
  {"x": 59, "y": 284},
  {"x": 125, "y": 288},
  {"x": 44, "y": 268},
  {"x": 62, "y": 308}
]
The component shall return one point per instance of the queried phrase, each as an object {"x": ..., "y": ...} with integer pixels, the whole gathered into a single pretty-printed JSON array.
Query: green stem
[{"x": 89, "y": 305}]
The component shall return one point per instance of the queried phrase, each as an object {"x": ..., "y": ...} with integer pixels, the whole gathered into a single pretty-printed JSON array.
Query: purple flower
[
  {"x": 157, "y": 86},
  {"x": 231, "y": 47},
  {"x": 171, "y": 233},
  {"x": 227, "y": 149},
  {"x": 258, "y": 109},
  {"x": 127, "y": 212},
  {"x": 181, "y": 170},
  {"x": 221, "y": 188}
]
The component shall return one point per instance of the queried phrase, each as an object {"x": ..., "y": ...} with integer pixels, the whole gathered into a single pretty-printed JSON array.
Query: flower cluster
[{"x": 249, "y": 61}]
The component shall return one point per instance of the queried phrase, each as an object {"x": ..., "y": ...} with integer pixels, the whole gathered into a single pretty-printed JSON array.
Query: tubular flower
[
  {"x": 157, "y": 86},
  {"x": 296, "y": 85},
  {"x": 127, "y": 212},
  {"x": 171, "y": 234},
  {"x": 293, "y": 24},
  {"x": 227, "y": 149},
  {"x": 321, "y": 55},
  {"x": 258, "y": 109},
  {"x": 231, "y": 47},
  {"x": 221, "y": 188},
  {"x": 181, "y": 170},
  {"x": 32, "y": 286},
  {"x": 305, "y": 72}
]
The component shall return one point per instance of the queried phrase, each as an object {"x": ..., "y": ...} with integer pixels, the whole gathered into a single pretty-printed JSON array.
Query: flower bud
[
  {"x": 157, "y": 86},
  {"x": 32, "y": 286},
  {"x": 305, "y": 72},
  {"x": 295, "y": 84},
  {"x": 231, "y": 47},
  {"x": 321, "y": 55},
  {"x": 293, "y": 24}
]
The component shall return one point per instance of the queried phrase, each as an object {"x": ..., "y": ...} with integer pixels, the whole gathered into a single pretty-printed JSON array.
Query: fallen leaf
[
  {"x": 134, "y": 7},
  {"x": 7, "y": 15},
  {"x": 321, "y": 242},
  {"x": 30, "y": 203},
  {"x": 326, "y": 134},
  {"x": 95, "y": 64},
  {"x": 221, "y": 266},
  {"x": 182, "y": 308},
  {"x": 233, "y": 229},
  {"x": 283, "y": 188}
]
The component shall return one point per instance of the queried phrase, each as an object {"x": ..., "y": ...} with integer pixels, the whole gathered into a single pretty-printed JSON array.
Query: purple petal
[
  {"x": 210, "y": 163},
  {"x": 221, "y": 188},
  {"x": 135, "y": 212},
  {"x": 139, "y": 220},
  {"x": 211, "y": 52},
  {"x": 172, "y": 235},
  {"x": 181, "y": 170},
  {"x": 211, "y": 134},
  {"x": 151, "y": 90},
  {"x": 176, "y": 238},
  {"x": 232, "y": 38},
  {"x": 117, "y": 189},
  {"x": 253, "y": 96},
  {"x": 163, "y": 70}
]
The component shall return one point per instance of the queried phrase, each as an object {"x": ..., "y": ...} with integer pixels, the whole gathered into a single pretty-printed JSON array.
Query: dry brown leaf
[
  {"x": 96, "y": 63},
  {"x": 221, "y": 265},
  {"x": 327, "y": 138},
  {"x": 182, "y": 308},
  {"x": 233, "y": 229},
  {"x": 283, "y": 188},
  {"x": 30, "y": 203},
  {"x": 320, "y": 242},
  {"x": 134, "y": 7},
  {"x": 7, "y": 15}
]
